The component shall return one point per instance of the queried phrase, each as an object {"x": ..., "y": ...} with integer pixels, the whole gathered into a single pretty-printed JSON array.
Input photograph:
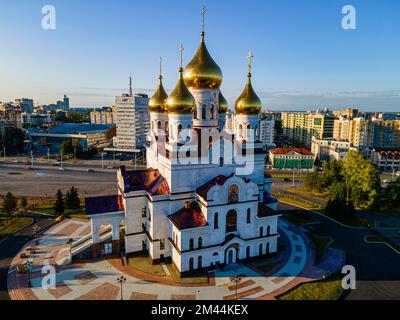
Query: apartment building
[
  {"x": 302, "y": 126},
  {"x": 104, "y": 116},
  {"x": 374, "y": 133}
]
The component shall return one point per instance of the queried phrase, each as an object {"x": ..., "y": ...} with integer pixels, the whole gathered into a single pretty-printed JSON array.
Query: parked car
[
  {"x": 27, "y": 163},
  {"x": 28, "y": 168},
  {"x": 90, "y": 170}
]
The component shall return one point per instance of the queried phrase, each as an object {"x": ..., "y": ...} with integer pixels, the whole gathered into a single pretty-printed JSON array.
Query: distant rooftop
[
  {"x": 82, "y": 128},
  {"x": 301, "y": 151}
]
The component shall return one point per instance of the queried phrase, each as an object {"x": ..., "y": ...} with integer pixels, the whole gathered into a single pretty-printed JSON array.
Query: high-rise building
[
  {"x": 26, "y": 105},
  {"x": 302, "y": 126},
  {"x": 131, "y": 116},
  {"x": 346, "y": 113},
  {"x": 374, "y": 133},
  {"x": 267, "y": 127}
]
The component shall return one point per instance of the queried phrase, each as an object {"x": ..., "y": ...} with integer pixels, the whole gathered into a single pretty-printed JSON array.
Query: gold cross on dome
[
  {"x": 161, "y": 61},
  {"x": 203, "y": 13},
  {"x": 250, "y": 57},
  {"x": 181, "y": 53}
]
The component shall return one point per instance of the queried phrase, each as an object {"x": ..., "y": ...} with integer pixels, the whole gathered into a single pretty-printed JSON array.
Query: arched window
[
  {"x": 191, "y": 264},
  {"x": 204, "y": 112},
  {"x": 248, "y": 130},
  {"x": 179, "y": 128},
  {"x": 261, "y": 231},
  {"x": 159, "y": 125},
  {"x": 248, "y": 215},
  {"x": 216, "y": 220},
  {"x": 212, "y": 112},
  {"x": 199, "y": 262},
  {"x": 231, "y": 221},
  {"x": 260, "y": 249},
  {"x": 268, "y": 230},
  {"x": 200, "y": 242},
  {"x": 191, "y": 244},
  {"x": 233, "y": 196},
  {"x": 248, "y": 252},
  {"x": 240, "y": 130}
]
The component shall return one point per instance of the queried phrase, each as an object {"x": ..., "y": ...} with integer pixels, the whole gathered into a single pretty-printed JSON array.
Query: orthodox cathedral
[{"x": 192, "y": 205}]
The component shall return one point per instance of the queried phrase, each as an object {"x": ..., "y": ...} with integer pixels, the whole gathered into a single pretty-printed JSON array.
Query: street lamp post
[
  {"x": 36, "y": 229},
  {"x": 32, "y": 158},
  {"x": 236, "y": 280},
  {"x": 121, "y": 280},
  {"x": 28, "y": 265}
]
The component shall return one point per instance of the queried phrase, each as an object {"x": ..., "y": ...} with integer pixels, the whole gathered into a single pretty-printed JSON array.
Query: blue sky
[{"x": 303, "y": 57}]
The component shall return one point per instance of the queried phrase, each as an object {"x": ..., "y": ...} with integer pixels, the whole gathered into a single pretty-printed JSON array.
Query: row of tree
[
  {"x": 68, "y": 148},
  {"x": 355, "y": 182},
  {"x": 69, "y": 201},
  {"x": 13, "y": 140},
  {"x": 11, "y": 204}
]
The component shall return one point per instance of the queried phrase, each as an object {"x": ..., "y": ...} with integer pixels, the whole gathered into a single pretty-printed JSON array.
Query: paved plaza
[{"x": 97, "y": 280}]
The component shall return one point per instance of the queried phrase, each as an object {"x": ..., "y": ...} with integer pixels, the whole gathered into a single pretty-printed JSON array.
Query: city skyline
[{"x": 303, "y": 57}]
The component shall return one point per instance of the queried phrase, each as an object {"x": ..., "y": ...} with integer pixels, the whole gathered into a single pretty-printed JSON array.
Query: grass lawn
[
  {"x": 321, "y": 243},
  {"x": 329, "y": 289},
  {"x": 375, "y": 238},
  {"x": 394, "y": 212},
  {"x": 15, "y": 225},
  {"x": 143, "y": 264},
  {"x": 276, "y": 175},
  {"x": 306, "y": 192},
  {"x": 298, "y": 218},
  {"x": 298, "y": 202},
  {"x": 73, "y": 213},
  {"x": 354, "y": 221},
  {"x": 196, "y": 279}
]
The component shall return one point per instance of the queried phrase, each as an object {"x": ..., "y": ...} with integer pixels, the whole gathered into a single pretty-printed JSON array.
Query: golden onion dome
[
  {"x": 157, "y": 102},
  {"x": 180, "y": 101},
  {"x": 202, "y": 72},
  {"x": 248, "y": 102},
  {"x": 223, "y": 104}
]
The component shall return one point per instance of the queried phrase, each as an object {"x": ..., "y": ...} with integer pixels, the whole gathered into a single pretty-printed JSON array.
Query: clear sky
[{"x": 303, "y": 58}]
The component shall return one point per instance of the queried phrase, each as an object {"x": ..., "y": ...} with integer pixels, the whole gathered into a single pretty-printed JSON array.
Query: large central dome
[{"x": 202, "y": 72}]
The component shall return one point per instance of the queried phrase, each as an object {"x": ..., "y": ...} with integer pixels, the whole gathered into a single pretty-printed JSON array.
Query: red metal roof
[
  {"x": 302, "y": 151},
  {"x": 149, "y": 179},
  {"x": 203, "y": 190},
  {"x": 190, "y": 217}
]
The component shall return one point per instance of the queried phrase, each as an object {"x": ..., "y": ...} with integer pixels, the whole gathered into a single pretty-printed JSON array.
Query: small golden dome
[
  {"x": 180, "y": 101},
  {"x": 157, "y": 102},
  {"x": 202, "y": 72},
  {"x": 223, "y": 104},
  {"x": 248, "y": 103}
]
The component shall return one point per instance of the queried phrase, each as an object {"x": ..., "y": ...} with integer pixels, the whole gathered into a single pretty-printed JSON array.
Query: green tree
[
  {"x": 67, "y": 147},
  {"x": 313, "y": 181},
  {"x": 362, "y": 181},
  {"x": 23, "y": 203},
  {"x": 393, "y": 193},
  {"x": 59, "y": 205},
  {"x": 72, "y": 200},
  {"x": 9, "y": 204}
]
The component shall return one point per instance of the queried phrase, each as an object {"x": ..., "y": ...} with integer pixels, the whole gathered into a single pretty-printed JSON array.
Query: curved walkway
[{"x": 97, "y": 279}]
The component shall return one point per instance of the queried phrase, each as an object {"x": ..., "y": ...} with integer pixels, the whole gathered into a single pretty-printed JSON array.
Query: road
[
  {"x": 13, "y": 244},
  {"x": 377, "y": 265},
  {"x": 45, "y": 180}
]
